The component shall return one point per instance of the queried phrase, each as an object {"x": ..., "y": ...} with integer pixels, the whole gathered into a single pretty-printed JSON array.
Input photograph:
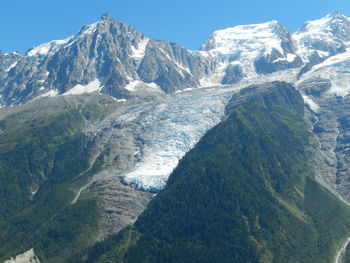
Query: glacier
[{"x": 170, "y": 128}]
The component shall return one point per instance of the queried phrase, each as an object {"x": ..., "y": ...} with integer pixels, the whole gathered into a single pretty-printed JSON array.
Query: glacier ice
[{"x": 171, "y": 127}]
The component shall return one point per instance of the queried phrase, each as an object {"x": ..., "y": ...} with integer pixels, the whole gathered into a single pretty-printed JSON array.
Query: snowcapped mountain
[
  {"x": 114, "y": 58},
  {"x": 323, "y": 38},
  {"x": 163, "y": 98},
  {"x": 125, "y": 63},
  {"x": 254, "y": 49},
  {"x": 324, "y": 46}
]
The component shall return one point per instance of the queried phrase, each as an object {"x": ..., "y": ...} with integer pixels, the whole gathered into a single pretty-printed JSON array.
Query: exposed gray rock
[
  {"x": 233, "y": 74},
  {"x": 8, "y": 61},
  {"x": 275, "y": 61},
  {"x": 121, "y": 204},
  {"x": 315, "y": 86},
  {"x": 331, "y": 128},
  {"x": 314, "y": 59},
  {"x": 114, "y": 53},
  {"x": 169, "y": 66}
]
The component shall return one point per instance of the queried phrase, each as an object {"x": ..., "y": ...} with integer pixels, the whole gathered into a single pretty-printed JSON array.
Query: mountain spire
[
  {"x": 336, "y": 14},
  {"x": 106, "y": 16}
]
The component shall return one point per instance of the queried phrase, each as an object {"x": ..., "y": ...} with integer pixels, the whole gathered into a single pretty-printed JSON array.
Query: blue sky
[{"x": 29, "y": 23}]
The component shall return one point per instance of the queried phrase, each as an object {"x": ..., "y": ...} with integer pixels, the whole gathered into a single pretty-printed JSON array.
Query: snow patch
[
  {"x": 181, "y": 67},
  {"x": 93, "y": 86},
  {"x": 26, "y": 257},
  {"x": 313, "y": 106},
  {"x": 89, "y": 29},
  {"x": 134, "y": 85},
  {"x": 215, "y": 77},
  {"x": 11, "y": 66},
  {"x": 289, "y": 58},
  {"x": 119, "y": 100},
  {"x": 154, "y": 86},
  {"x": 50, "y": 93},
  {"x": 323, "y": 54},
  {"x": 48, "y": 48},
  {"x": 139, "y": 52},
  {"x": 55, "y": 45}
]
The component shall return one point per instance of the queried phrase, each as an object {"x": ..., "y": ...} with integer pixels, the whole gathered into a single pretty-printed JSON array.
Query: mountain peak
[
  {"x": 327, "y": 23},
  {"x": 230, "y": 39},
  {"x": 334, "y": 19},
  {"x": 107, "y": 17},
  {"x": 326, "y": 34},
  {"x": 336, "y": 15}
]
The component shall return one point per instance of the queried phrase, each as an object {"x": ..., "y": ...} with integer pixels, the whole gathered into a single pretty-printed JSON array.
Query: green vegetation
[
  {"x": 346, "y": 258},
  {"x": 245, "y": 193},
  {"x": 43, "y": 145}
]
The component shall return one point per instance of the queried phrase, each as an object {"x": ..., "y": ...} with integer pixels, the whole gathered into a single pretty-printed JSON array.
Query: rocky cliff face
[{"x": 113, "y": 56}]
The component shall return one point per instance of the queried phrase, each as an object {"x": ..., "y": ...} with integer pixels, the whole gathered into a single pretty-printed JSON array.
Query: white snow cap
[
  {"x": 242, "y": 45},
  {"x": 323, "y": 25},
  {"x": 247, "y": 37},
  {"x": 48, "y": 48},
  {"x": 332, "y": 30},
  {"x": 55, "y": 45}
]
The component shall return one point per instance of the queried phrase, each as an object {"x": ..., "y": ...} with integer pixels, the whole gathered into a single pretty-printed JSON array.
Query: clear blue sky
[{"x": 26, "y": 23}]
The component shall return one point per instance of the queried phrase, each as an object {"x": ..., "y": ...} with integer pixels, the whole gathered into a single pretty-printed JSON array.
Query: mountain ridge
[{"x": 127, "y": 64}]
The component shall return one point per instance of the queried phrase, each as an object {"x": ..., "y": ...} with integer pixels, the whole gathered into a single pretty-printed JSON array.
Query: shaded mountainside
[
  {"x": 245, "y": 193},
  {"x": 44, "y": 157}
]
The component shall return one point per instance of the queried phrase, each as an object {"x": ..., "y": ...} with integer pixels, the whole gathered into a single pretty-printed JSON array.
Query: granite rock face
[
  {"x": 233, "y": 74},
  {"x": 277, "y": 60},
  {"x": 112, "y": 53},
  {"x": 329, "y": 123}
]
